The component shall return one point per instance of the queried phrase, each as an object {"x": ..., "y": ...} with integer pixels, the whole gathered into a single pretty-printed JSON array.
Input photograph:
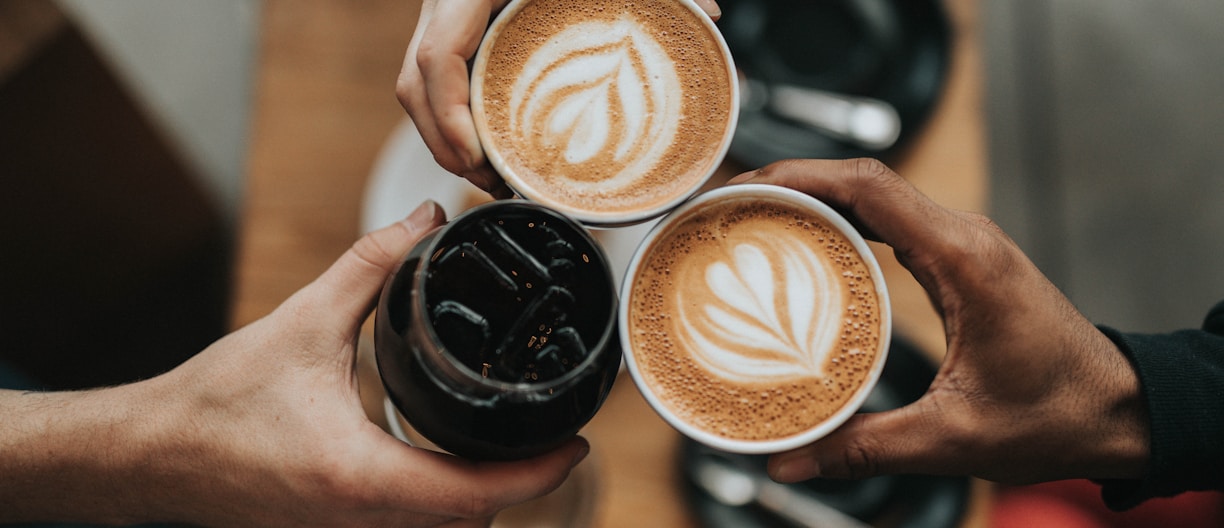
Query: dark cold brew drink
[{"x": 496, "y": 338}]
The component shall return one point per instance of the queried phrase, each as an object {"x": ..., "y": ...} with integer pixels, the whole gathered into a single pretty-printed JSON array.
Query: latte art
[
  {"x": 599, "y": 89},
  {"x": 613, "y": 111},
  {"x": 761, "y": 326},
  {"x": 750, "y": 317}
]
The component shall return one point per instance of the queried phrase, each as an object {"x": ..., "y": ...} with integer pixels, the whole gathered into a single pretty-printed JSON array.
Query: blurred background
[
  {"x": 1104, "y": 122},
  {"x": 1105, "y": 125},
  {"x": 123, "y": 133}
]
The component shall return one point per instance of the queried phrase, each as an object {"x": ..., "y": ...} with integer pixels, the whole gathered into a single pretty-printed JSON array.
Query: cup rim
[
  {"x": 605, "y": 342},
  {"x": 591, "y": 217},
  {"x": 824, "y": 427}
]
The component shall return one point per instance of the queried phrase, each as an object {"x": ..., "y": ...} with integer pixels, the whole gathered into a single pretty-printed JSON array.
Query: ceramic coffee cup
[{"x": 755, "y": 319}]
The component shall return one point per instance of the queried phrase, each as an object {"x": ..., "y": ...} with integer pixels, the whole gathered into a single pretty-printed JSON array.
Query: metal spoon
[
  {"x": 863, "y": 121},
  {"x": 732, "y": 486}
]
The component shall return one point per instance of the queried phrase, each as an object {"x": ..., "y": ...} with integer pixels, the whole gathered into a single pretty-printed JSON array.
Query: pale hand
[
  {"x": 263, "y": 428},
  {"x": 433, "y": 84}
]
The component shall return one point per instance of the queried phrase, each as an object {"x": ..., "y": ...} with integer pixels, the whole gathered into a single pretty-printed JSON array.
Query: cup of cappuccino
[
  {"x": 754, "y": 319},
  {"x": 610, "y": 111}
]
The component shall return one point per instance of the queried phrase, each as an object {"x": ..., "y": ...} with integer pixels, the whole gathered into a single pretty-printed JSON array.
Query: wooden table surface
[{"x": 324, "y": 107}]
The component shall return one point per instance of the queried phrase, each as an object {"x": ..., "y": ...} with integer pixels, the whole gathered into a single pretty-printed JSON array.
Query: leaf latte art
[
  {"x": 599, "y": 91},
  {"x": 753, "y": 318},
  {"x": 610, "y": 110},
  {"x": 759, "y": 325}
]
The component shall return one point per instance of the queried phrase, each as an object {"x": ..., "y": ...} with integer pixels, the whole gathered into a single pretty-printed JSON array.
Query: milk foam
[
  {"x": 602, "y": 107},
  {"x": 599, "y": 88},
  {"x": 758, "y": 325},
  {"x": 753, "y": 319}
]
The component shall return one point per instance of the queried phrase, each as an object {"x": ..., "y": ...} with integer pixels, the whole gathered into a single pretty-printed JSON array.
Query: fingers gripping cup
[
  {"x": 496, "y": 338},
  {"x": 613, "y": 112},
  {"x": 755, "y": 319}
]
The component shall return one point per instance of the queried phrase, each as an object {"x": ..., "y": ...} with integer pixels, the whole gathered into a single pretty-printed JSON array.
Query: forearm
[{"x": 77, "y": 456}]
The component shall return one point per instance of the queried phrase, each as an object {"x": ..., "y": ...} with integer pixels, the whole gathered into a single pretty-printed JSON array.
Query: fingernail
[
  {"x": 789, "y": 469},
  {"x": 744, "y": 177},
  {"x": 582, "y": 453},
  {"x": 711, "y": 8},
  {"x": 421, "y": 216}
]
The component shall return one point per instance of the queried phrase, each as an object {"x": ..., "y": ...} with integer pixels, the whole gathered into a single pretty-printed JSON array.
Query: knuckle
[
  {"x": 988, "y": 253},
  {"x": 859, "y": 460},
  {"x": 428, "y": 54},
  {"x": 374, "y": 249},
  {"x": 405, "y": 86},
  {"x": 872, "y": 176},
  {"x": 871, "y": 170}
]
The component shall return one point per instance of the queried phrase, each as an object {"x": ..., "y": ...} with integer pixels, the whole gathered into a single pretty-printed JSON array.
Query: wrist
[{"x": 1124, "y": 435}]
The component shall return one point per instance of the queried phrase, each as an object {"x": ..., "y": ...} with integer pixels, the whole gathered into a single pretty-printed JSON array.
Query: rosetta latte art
[
  {"x": 601, "y": 92},
  {"x": 761, "y": 326}
]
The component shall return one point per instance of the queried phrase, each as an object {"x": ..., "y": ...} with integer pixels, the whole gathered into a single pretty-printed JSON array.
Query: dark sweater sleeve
[{"x": 1182, "y": 378}]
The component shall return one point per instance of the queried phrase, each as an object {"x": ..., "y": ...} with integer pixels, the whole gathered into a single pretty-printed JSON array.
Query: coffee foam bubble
[
  {"x": 605, "y": 105},
  {"x": 754, "y": 320}
]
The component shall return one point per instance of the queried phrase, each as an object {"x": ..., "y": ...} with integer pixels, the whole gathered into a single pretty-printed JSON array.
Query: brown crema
[
  {"x": 684, "y": 305},
  {"x": 620, "y": 117}
]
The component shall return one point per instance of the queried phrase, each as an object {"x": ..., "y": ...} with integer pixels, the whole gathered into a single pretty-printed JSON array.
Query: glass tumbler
[{"x": 496, "y": 337}]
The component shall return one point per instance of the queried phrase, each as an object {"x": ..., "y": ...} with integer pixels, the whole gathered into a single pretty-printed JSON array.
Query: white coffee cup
[
  {"x": 599, "y": 110},
  {"x": 753, "y": 333}
]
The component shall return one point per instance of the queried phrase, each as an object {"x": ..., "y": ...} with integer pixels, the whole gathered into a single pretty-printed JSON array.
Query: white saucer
[{"x": 406, "y": 174}]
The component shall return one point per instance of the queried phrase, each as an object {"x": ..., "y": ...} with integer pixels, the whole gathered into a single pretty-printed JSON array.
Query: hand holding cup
[
  {"x": 1029, "y": 389},
  {"x": 433, "y": 84}
]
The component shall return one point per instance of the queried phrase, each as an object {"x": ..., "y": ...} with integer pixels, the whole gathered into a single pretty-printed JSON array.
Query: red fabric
[{"x": 1077, "y": 504}]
